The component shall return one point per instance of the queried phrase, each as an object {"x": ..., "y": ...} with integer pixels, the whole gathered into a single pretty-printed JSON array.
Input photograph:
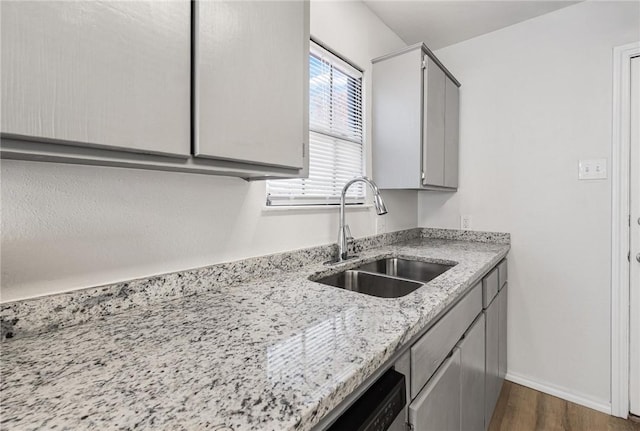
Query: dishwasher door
[{"x": 377, "y": 408}]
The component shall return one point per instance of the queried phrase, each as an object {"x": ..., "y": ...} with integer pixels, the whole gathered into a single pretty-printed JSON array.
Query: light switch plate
[{"x": 595, "y": 169}]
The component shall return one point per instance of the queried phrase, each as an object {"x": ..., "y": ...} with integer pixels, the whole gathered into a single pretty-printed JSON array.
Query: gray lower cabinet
[
  {"x": 447, "y": 369},
  {"x": 454, "y": 372},
  {"x": 503, "y": 297},
  {"x": 492, "y": 379},
  {"x": 437, "y": 406},
  {"x": 490, "y": 287},
  {"x": 415, "y": 121},
  {"x": 429, "y": 351},
  {"x": 472, "y": 357},
  {"x": 479, "y": 359},
  {"x": 502, "y": 352},
  {"x": 495, "y": 313}
]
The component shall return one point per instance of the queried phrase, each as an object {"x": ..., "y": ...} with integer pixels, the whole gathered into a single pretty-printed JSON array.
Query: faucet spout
[{"x": 381, "y": 209}]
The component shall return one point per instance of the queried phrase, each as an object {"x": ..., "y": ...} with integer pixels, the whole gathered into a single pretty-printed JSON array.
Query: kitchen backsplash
[{"x": 43, "y": 314}]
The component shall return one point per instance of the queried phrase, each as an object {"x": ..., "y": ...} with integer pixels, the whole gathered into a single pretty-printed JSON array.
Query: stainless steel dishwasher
[{"x": 378, "y": 407}]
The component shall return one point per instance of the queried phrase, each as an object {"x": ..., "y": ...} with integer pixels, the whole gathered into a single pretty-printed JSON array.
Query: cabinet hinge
[
  {"x": 304, "y": 150},
  {"x": 424, "y": 63},
  {"x": 422, "y": 176},
  {"x": 409, "y": 426}
]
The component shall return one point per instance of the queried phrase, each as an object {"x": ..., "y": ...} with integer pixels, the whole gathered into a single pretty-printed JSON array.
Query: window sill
[{"x": 276, "y": 209}]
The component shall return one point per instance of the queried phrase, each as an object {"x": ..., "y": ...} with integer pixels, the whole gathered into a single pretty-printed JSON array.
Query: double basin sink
[{"x": 386, "y": 278}]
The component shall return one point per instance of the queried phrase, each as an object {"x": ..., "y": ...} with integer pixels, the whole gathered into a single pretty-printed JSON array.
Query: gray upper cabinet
[
  {"x": 110, "y": 83},
  {"x": 397, "y": 121},
  {"x": 451, "y": 133},
  {"x": 251, "y": 81},
  {"x": 415, "y": 121},
  {"x": 434, "y": 82},
  {"x": 102, "y": 74}
]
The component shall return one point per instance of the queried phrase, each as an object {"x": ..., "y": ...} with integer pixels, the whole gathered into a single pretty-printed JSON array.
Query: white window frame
[{"x": 357, "y": 193}]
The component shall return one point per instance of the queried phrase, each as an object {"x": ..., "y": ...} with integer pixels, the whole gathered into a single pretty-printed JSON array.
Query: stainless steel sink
[
  {"x": 371, "y": 284},
  {"x": 404, "y": 268}
]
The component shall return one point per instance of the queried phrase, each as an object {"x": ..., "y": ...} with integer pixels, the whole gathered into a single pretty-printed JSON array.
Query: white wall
[
  {"x": 66, "y": 227},
  {"x": 535, "y": 98}
]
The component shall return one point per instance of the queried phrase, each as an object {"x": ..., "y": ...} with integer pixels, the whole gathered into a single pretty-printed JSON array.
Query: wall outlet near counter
[
  {"x": 465, "y": 222},
  {"x": 381, "y": 224}
]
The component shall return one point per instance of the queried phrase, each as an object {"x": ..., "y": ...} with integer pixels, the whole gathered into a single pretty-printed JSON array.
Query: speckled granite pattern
[
  {"x": 38, "y": 315},
  {"x": 271, "y": 353},
  {"x": 466, "y": 235}
]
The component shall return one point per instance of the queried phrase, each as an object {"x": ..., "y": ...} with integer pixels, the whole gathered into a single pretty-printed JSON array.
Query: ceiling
[{"x": 445, "y": 22}]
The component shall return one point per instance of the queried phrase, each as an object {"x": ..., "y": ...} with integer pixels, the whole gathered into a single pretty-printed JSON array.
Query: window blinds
[{"x": 336, "y": 151}]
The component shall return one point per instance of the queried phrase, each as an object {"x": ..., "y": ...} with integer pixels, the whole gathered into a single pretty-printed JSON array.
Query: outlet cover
[
  {"x": 595, "y": 169},
  {"x": 381, "y": 224},
  {"x": 465, "y": 222}
]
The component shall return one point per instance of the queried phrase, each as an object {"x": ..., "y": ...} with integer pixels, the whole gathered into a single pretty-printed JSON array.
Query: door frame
[{"x": 620, "y": 193}]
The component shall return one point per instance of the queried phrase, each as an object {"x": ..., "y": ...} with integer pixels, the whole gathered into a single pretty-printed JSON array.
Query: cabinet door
[
  {"x": 251, "y": 81},
  {"x": 101, "y": 74},
  {"x": 472, "y": 356},
  {"x": 437, "y": 407},
  {"x": 397, "y": 121},
  {"x": 433, "y": 123},
  {"x": 428, "y": 353},
  {"x": 502, "y": 353},
  {"x": 492, "y": 346},
  {"x": 451, "y": 133}
]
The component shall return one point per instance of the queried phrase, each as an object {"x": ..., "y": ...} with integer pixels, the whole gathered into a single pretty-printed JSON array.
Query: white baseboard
[{"x": 559, "y": 392}]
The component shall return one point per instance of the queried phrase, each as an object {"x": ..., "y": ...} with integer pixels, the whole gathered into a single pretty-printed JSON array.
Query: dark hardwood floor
[{"x": 522, "y": 409}]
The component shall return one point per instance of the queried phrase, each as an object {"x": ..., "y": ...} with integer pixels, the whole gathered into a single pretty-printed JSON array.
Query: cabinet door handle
[{"x": 638, "y": 257}]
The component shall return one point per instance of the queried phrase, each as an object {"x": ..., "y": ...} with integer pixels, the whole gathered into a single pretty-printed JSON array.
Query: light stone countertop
[{"x": 272, "y": 353}]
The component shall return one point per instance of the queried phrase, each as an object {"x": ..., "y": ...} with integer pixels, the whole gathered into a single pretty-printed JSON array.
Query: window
[{"x": 336, "y": 150}]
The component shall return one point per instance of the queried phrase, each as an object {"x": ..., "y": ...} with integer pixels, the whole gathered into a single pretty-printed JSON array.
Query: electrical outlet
[
  {"x": 381, "y": 224},
  {"x": 465, "y": 222}
]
